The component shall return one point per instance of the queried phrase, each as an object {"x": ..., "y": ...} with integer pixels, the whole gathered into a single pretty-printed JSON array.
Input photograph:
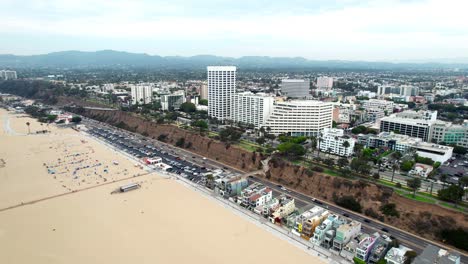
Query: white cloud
[{"x": 375, "y": 30}]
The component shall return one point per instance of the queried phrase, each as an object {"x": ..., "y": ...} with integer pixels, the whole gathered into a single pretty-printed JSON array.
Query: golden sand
[{"x": 163, "y": 222}]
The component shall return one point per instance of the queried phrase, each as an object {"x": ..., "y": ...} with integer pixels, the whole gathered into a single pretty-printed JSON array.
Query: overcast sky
[{"x": 391, "y": 30}]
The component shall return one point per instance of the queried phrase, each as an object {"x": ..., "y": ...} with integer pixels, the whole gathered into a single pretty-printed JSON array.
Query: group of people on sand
[{"x": 76, "y": 168}]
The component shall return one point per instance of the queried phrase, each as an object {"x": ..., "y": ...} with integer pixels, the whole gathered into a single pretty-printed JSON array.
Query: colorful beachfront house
[
  {"x": 346, "y": 233},
  {"x": 302, "y": 219},
  {"x": 268, "y": 208},
  {"x": 287, "y": 206},
  {"x": 309, "y": 226},
  {"x": 321, "y": 230},
  {"x": 365, "y": 247},
  {"x": 396, "y": 255}
]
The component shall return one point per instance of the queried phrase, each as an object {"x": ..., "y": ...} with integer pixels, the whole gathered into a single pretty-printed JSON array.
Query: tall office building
[
  {"x": 300, "y": 117},
  {"x": 295, "y": 88},
  {"x": 324, "y": 83},
  {"x": 249, "y": 108},
  {"x": 8, "y": 75},
  {"x": 141, "y": 94},
  {"x": 221, "y": 88}
]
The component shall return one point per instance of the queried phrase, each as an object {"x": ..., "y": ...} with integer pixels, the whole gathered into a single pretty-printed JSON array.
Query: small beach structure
[{"x": 129, "y": 187}]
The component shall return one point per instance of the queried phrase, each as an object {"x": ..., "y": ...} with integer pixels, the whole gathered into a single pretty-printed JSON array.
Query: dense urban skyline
[{"x": 347, "y": 30}]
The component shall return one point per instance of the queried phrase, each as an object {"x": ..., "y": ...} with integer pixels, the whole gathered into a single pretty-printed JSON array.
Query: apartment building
[
  {"x": 333, "y": 140},
  {"x": 345, "y": 233},
  {"x": 396, "y": 255},
  {"x": 324, "y": 83},
  {"x": 300, "y": 117},
  {"x": 374, "y": 114},
  {"x": 287, "y": 206},
  {"x": 365, "y": 246},
  {"x": 417, "y": 128},
  {"x": 379, "y": 104},
  {"x": 141, "y": 93},
  {"x": 295, "y": 88},
  {"x": 250, "y": 108},
  {"x": 221, "y": 88},
  {"x": 8, "y": 75},
  {"x": 204, "y": 91}
]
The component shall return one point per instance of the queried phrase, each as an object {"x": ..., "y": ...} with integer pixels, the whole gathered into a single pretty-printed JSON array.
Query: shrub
[
  {"x": 349, "y": 202},
  {"x": 389, "y": 210}
]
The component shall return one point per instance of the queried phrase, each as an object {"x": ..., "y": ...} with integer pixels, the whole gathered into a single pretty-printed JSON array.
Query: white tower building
[{"x": 221, "y": 88}]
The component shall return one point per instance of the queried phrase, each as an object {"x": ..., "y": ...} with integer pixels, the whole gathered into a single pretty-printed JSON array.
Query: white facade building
[
  {"x": 249, "y": 108},
  {"x": 333, "y": 140},
  {"x": 107, "y": 87},
  {"x": 424, "y": 115},
  {"x": 300, "y": 118},
  {"x": 295, "y": 88},
  {"x": 380, "y": 104},
  {"x": 172, "y": 101},
  {"x": 8, "y": 75},
  {"x": 324, "y": 83},
  {"x": 435, "y": 152},
  {"x": 141, "y": 94},
  {"x": 221, "y": 88}
]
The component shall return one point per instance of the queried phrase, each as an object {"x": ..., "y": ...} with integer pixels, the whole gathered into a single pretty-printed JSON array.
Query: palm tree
[
  {"x": 28, "y": 124},
  {"x": 394, "y": 167},
  {"x": 346, "y": 146},
  {"x": 320, "y": 139}
]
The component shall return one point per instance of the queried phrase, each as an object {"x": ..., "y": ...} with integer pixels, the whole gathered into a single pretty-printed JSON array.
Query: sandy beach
[{"x": 162, "y": 222}]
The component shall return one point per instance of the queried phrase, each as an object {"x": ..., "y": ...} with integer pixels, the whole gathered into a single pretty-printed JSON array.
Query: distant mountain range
[{"x": 111, "y": 58}]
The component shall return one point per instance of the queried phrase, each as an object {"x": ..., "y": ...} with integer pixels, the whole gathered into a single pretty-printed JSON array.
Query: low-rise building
[
  {"x": 423, "y": 115},
  {"x": 172, "y": 101},
  {"x": 449, "y": 133},
  {"x": 379, "y": 250},
  {"x": 311, "y": 224},
  {"x": 365, "y": 247},
  {"x": 346, "y": 233},
  {"x": 321, "y": 230},
  {"x": 255, "y": 195},
  {"x": 396, "y": 255},
  {"x": 334, "y": 141},
  {"x": 386, "y": 106},
  {"x": 435, "y": 152},
  {"x": 287, "y": 206},
  {"x": 432, "y": 255},
  {"x": 302, "y": 218}
]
